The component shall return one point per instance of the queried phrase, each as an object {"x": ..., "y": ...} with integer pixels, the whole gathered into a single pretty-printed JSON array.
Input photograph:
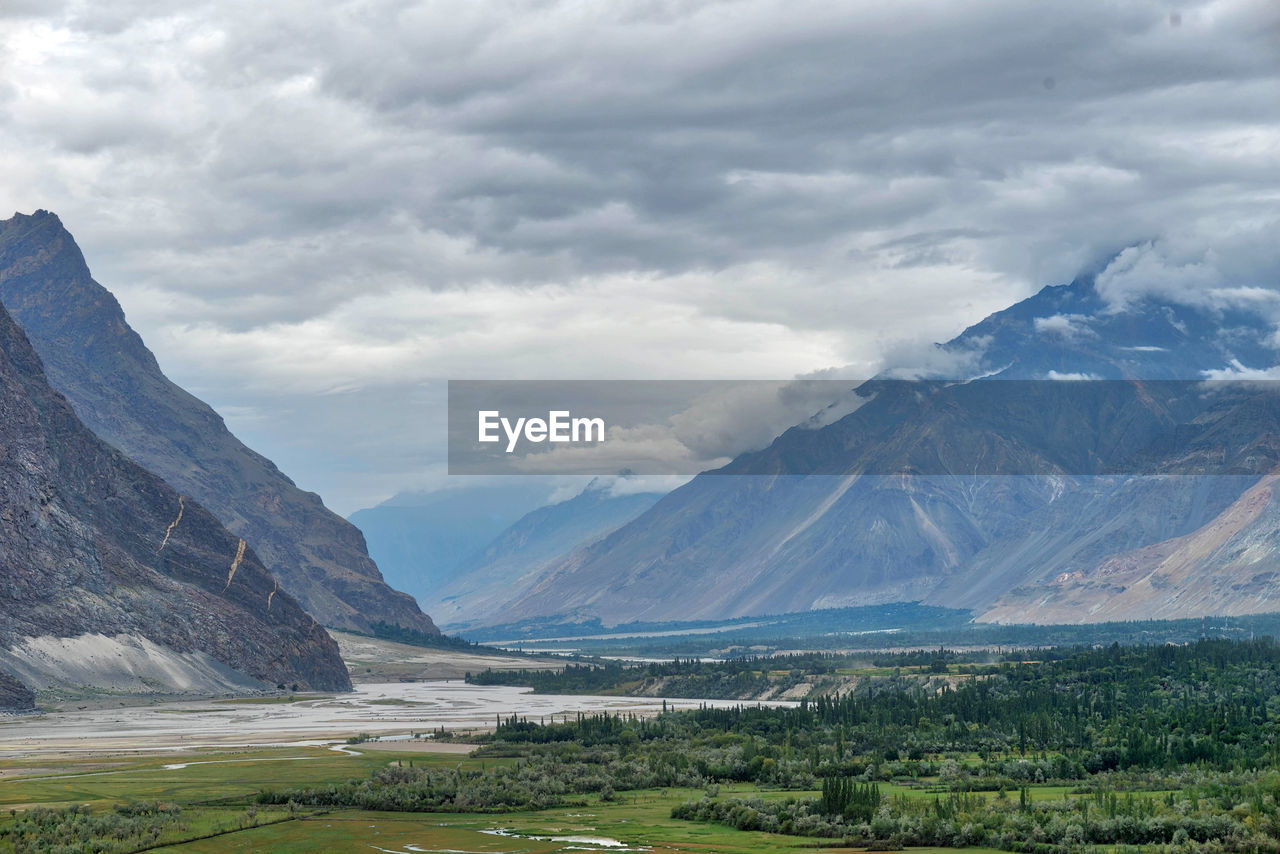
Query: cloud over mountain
[{"x": 394, "y": 192}]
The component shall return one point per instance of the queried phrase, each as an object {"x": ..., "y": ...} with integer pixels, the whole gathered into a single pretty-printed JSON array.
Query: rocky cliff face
[
  {"x": 1226, "y": 566},
  {"x": 15, "y": 696},
  {"x": 99, "y": 363},
  {"x": 1061, "y": 545},
  {"x": 93, "y": 545}
]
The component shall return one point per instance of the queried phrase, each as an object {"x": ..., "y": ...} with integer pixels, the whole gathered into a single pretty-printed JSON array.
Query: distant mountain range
[
  {"x": 1069, "y": 466},
  {"x": 116, "y": 581},
  {"x": 422, "y": 540},
  {"x": 111, "y": 379},
  {"x": 519, "y": 556},
  {"x": 1093, "y": 533}
]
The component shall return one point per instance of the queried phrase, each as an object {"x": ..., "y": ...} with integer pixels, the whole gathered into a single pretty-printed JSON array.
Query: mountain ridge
[
  {"x": 94, "y": 546},
  {"x": 422, "y": 540},
  {"x": 115, "y": 385},
  {"x": 519, "y": 556},
  {"x": 721, "y": 547}
]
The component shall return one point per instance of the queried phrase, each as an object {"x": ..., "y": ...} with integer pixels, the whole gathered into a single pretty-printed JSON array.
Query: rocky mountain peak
[
  {"x": 907, "y": 498},
  {"x": 96, "y": 550},
  {"x": 94, "y": 358}
]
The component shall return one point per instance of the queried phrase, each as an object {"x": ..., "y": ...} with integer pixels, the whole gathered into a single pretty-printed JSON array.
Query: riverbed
[{"x": 383, "y": 709}]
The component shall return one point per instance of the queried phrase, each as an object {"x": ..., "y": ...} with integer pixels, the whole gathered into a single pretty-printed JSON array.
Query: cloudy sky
[{"x": 314, "y": 217}]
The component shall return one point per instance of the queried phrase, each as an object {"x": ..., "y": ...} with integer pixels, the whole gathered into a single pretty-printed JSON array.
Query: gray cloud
[
  {"x": 393, "y": 192},
  {"x": 1213, "y": 263}
]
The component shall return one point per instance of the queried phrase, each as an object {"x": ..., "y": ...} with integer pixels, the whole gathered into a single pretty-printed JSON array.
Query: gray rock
[
  {"x": 101, "y": 365},
  {"x": 91, "y": 543}
]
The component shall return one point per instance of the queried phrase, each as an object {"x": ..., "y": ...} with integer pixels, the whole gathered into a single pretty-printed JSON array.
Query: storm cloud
[{"x": 316, "y": 215}]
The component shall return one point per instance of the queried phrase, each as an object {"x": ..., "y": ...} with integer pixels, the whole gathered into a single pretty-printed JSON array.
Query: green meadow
[{"x": 215, "y": 788}]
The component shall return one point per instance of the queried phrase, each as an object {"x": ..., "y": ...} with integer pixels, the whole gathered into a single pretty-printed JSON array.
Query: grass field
[
  {"x": 641, "y": 826},
  {"x": 206, "y": 776},
  {"x": 214, "y": 789}
]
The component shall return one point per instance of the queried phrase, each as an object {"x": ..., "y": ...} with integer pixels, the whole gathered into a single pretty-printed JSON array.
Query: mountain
[
  {"x": 901, "y": 500},
  {"x": 115, "y": 580},
  {"x": 1226, "y": 566},
  {"x": 99, "y": 363},
  {"x": 423, "y": 539},
  {"x": 15, "y": 696},
  {"x": 518, "y": 557}
]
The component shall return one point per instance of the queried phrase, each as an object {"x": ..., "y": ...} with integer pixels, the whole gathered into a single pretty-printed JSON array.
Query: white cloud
[
  {"x": 1068, "y": 326},
  {"x": 1209, "y": 263},
  {"x": 915, "y": 360},
  {"x": 1068, "y": 376},
  {"x": 289, "y": 202},
  {"x": 1235, "y": 371}
]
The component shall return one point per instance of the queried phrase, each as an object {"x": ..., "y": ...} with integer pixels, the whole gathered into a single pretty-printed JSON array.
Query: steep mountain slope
[
  {"x": 101, "y": 557},
  {"x": 852, "y": 531},
  {"x": 1227, "y": 566},
  {"x": 519, "y": 557},
  {"x": 422, "y": 540},
  {"x": 15, "y": 696},
  {"x": 99, "y": 363}
]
